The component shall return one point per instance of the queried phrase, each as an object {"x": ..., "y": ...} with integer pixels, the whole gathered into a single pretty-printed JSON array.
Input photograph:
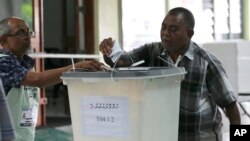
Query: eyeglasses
[{"x": 22, "y": 33}]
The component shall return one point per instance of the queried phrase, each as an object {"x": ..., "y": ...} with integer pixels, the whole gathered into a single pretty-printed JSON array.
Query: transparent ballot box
[{"x": 126, "y": 104}]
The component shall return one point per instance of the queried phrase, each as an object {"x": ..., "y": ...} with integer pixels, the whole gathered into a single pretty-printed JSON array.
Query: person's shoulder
[
  {"x": 205, "y": 54},
  {"x": 5, "y": 53},
  {"x": 6, "y": 56},
  {"x": 30, "y": 61},
  {"x": 27, "y": 57}
]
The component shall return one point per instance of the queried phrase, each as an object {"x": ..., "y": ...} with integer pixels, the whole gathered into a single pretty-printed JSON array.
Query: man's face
[
  {"x": 19, "y": 40},
  {"x": 174, "y": 34}
]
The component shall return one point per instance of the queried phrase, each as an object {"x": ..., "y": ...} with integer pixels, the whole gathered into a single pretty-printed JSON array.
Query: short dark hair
[{"x": 187, "y": 15}]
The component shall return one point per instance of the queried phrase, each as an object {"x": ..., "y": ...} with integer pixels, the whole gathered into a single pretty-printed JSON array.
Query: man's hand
[
  {"x": 106, "y": 46},
  {"x": 93, "y": 65}
]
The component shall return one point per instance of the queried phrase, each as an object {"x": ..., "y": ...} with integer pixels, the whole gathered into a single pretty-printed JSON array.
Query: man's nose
[{"x": 166, "y": 33}]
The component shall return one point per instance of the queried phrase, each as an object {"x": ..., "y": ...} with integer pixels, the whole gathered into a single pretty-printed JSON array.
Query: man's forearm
[
  {"x": 108, "y": 61},
  {"x": 124, "y": 61},
  {"x": 233, "y": 113}
]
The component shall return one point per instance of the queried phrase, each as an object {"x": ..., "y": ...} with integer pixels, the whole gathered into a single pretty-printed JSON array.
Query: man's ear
[
  {"x": 190, "y": 33},
  {"x": 2, "y": 39}
]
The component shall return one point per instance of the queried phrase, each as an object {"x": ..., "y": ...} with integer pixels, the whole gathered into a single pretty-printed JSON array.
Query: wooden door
[{"x": 37, "y": 45}]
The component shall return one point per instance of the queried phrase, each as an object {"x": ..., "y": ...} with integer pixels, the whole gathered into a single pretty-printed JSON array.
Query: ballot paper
[{"x": 116, "y": 51}]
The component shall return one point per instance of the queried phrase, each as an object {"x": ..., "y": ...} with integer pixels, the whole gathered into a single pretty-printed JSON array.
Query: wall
[
  {"x": 246, "y": 13},
  {"x": 10, "y": 8},
  {"x": 107, "y": 20}
]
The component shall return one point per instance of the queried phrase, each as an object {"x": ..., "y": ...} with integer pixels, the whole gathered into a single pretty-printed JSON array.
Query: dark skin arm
[
  {"x": 50, "y": 77},
  {"x": 233, "y": 113}
]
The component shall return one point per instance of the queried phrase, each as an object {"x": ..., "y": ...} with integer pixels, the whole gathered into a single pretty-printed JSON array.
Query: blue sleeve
[{"x": 11, "y": 71}]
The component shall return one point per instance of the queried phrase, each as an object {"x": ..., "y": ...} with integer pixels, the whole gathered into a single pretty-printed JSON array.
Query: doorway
[{"x": 66, "y": 31}]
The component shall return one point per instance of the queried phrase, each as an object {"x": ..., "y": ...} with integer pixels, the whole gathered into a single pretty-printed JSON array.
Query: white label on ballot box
[{"x": 105, "y": 116}]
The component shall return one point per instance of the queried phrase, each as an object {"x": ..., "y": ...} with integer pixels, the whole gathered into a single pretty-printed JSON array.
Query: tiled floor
[{"x": 65, "y": 133}]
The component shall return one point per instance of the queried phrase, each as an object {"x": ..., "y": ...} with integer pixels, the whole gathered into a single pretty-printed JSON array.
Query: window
[
  {"x": 216, "y": 20},
  {"x": 141, "y": 22},
  {"x": 226, "y": 18}
]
